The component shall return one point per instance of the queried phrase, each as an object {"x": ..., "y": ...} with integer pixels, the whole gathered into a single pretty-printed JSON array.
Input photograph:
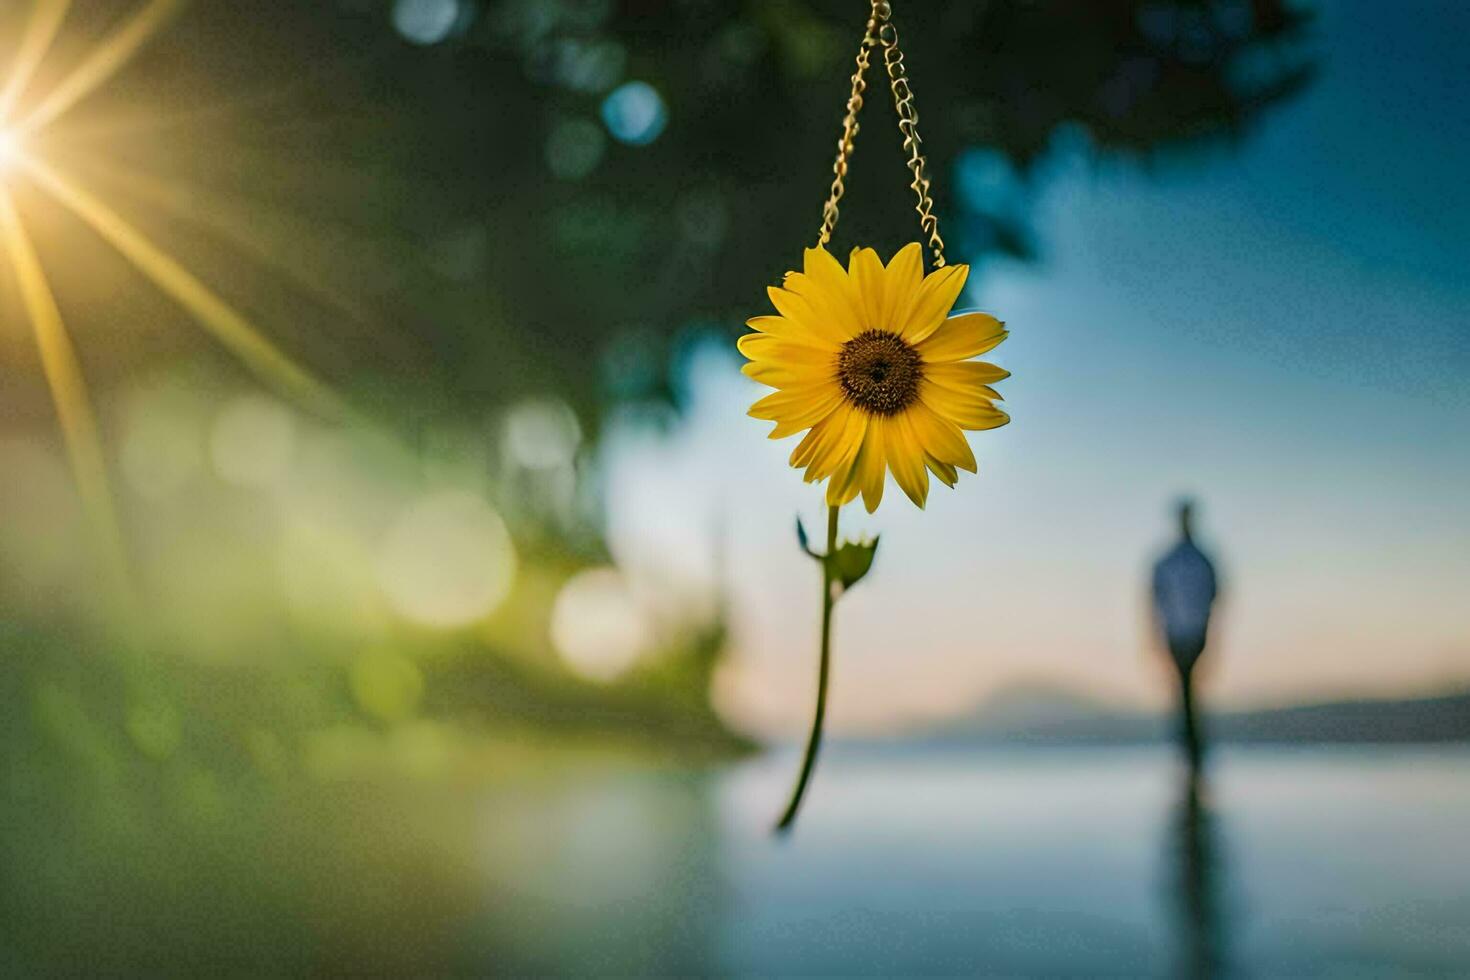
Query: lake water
[{"x": 1016, "y": 862}]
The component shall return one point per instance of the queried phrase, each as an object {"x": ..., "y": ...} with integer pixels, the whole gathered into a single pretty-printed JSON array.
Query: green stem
[{"x": 814, "y": 742}]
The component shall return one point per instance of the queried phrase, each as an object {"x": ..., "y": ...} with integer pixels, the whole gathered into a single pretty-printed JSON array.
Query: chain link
[
  {"x": 881, "y": 33},
  {"x": 908, "y": 125},
  {"x": 849, "y": 132}
]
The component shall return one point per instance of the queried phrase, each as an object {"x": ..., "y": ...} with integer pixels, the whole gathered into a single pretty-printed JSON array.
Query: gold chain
[
  {"x": 880, "y": 32},
  {"x": 908, "y": 125},
  {"x": 849, "y": 133}
]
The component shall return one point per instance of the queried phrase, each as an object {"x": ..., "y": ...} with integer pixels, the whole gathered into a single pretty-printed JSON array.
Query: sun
[{"x": 24, "y": 124}]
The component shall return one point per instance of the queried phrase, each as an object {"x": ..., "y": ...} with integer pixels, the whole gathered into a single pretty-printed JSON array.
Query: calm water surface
[{"x": 1022, "y": 862}]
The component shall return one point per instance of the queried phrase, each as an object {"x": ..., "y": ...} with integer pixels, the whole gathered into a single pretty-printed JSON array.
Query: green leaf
[
  {"x": 852, "y": 560},
  {"x": 802, "y": 540}
]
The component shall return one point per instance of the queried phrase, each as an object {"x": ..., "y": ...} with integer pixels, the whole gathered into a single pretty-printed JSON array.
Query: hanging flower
[{"x": 868, "y": 359}]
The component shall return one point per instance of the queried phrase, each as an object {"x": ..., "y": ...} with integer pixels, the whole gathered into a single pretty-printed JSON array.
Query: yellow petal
[
  {"x": 940, "y": 437},
  {"x": 870, "y": 469},
  {"x": 802, "y": 302},
  {"x": 838, "y": 451},
  {"x": 966, "y": 411},
  {"x": 962, "y": 337},
  {"x": 786, "y": 374},
  {"x": 842, "y": 487},
  {"x": 838, "y": 289},
  {"x": 791, "y": 427},
  {"x": 935, "y": 299},
  {"x": 828, "y": 310},
  {"x": 866, "y": 271},
  {"x": 781, "y": 404},
  {"x": 779, "y": 326},
  {"x": 806, "y": 414},
  {"x": 764, "y": 347},
  {"x": 906, "y": 459},
  {"x": 816, "y": 451},
  {"x": 964, "y": 374},
  {"x": 901, "y": 282},
  {"x": 802, "y": 454},
  {"x": 946, "y": 473}
]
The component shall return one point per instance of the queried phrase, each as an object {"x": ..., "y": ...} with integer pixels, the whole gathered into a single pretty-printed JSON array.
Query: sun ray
[
  {"x": 45, "y": 21},
  {"x": 229, "y": 326},
  {"x": 330, "y": 75},
  {"x": 69, "y": 393},
  {"x": 110, "y": 56},
  {"x": 244, "y": 226}
]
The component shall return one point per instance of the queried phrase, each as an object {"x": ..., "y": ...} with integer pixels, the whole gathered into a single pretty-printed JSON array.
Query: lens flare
[
  {"x": 21, "y": 159},
  {"x": 10, "y": 151}
]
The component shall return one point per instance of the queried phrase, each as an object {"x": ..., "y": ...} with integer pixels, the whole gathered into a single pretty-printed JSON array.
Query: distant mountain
[
  {"x": 1437, "y": 719},
  {"x": 1044, "y": 716}
]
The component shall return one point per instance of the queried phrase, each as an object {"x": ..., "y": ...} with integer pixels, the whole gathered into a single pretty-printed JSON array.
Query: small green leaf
[
  {"x": 852, "y": 561},
  {"x": 802, "y": 540}
]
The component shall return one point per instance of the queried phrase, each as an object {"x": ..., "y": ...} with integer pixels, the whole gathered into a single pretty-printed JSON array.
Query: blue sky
[{"x": 1281, "y": 327}]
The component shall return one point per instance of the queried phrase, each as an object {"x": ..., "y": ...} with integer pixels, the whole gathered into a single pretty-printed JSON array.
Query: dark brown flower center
[{"x": 879, "y": 372}]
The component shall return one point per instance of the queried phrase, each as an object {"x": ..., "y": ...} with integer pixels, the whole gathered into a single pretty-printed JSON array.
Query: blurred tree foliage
[{"x": 476, "y": 233}]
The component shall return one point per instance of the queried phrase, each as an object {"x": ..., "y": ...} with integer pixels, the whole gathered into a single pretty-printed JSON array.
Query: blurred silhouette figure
[
  {"x": 1196, "y": 888},
  {"x": 1184, "y": 590}
]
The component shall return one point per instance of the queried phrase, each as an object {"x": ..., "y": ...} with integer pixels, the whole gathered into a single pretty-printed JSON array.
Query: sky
[{"x": 1280, "y": 328}]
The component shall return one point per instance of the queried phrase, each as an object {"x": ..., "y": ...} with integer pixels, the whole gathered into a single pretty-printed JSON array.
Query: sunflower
[{"x": 868, "y": 359}]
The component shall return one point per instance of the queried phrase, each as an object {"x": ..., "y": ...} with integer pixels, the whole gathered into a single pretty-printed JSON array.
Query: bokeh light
[
  {"x": 252, "y": 442},
  {"x": 326, "y": 576},
  {"x": 352, "y": 481},
  {"x": 542, "y": 434},
  {"x": 429, "y": 21},
  {"x": 447, "y": 561},
  {"x": 598, "y": 626},
  {"x": 420, "y": 748},
  {"x": 386, "y": 685},
  {"x": 163, "y": 441},
  {"x": 635, "y": 113},
  {"x": 589, "y": 66},
  {"x": 574, "y": 148}
]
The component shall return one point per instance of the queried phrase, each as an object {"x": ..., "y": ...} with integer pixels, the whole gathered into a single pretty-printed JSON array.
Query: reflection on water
[
  {"x": 1020, "y": 862},
  {"x": 611, "y": 873},
  {"x": 1197, "y": 882},
  {"x": 1016, "y": 862}
]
